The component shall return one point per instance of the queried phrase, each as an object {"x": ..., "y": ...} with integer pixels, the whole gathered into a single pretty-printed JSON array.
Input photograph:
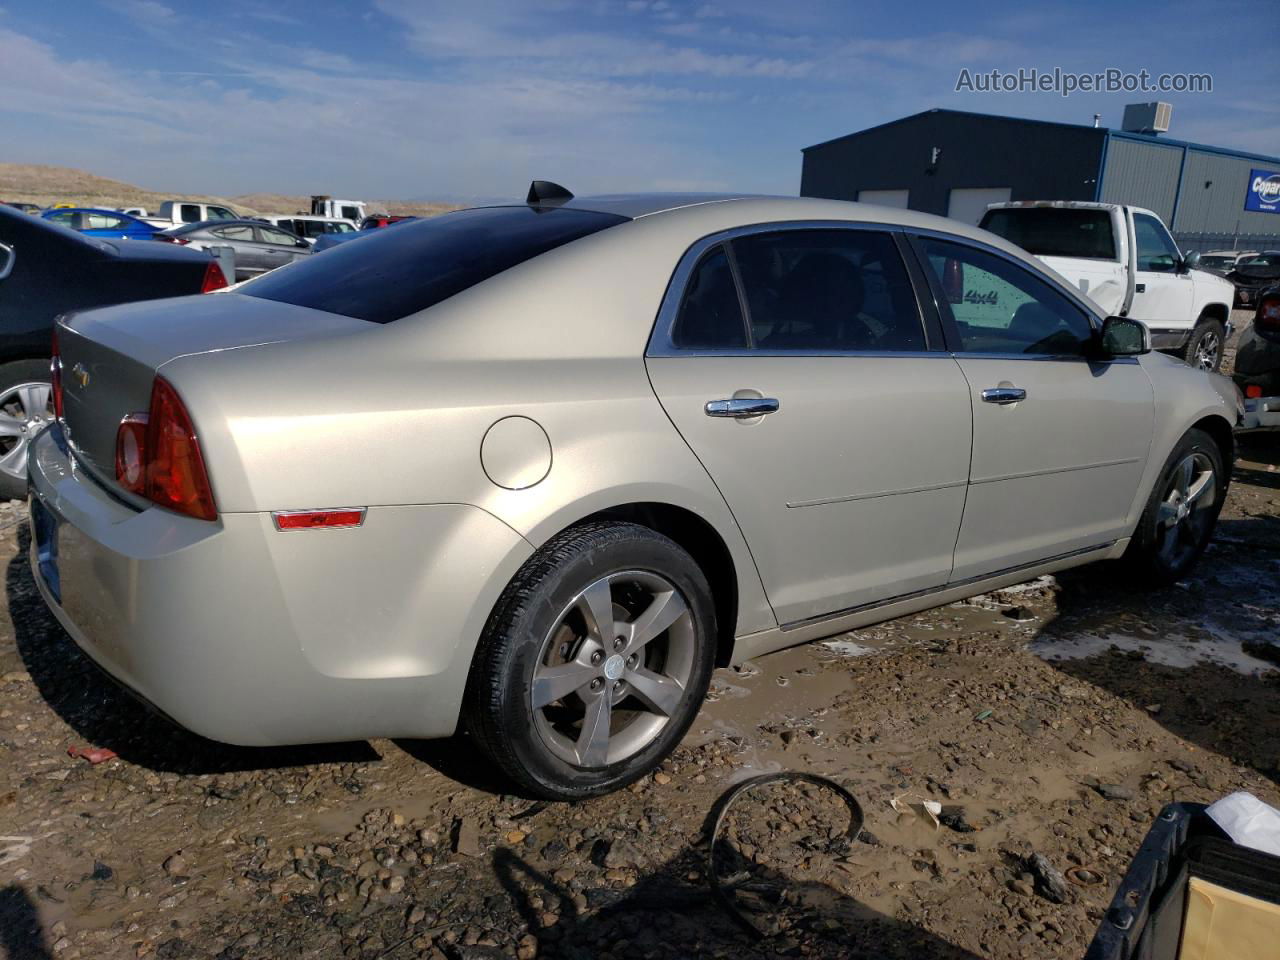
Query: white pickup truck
[
  {"x": 174, "y": 213},
  {"x": 1124, "y": 259}
]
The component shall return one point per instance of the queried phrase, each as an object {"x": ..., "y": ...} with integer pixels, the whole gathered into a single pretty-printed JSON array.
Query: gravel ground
[{"x": 1051, "y": 722}]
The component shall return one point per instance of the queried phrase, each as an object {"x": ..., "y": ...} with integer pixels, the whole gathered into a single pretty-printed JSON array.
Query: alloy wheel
[
  {"x": 613, "y": 670},
  {"x": 25, "y": 410},
  {"x": 1207, "y": 350},
  {"x": 1185, "y": 515}
]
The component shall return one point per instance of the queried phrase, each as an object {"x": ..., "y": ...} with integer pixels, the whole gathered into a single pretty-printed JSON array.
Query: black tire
[
  {"x": 525, "y": 629},
  {"x": 12, "y": 375},
  {"x": 1149, "y": 553},
  {"x": 1205, "y": 346}
]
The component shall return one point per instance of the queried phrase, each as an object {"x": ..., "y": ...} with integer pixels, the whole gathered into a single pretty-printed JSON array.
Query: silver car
[
  {"x": 258, "y": 246},
  {"x": 537, "y": 469}
]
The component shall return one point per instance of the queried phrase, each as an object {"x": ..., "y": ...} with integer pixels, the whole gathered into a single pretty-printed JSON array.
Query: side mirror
[
  {"x": 1124, "y": 337},
  {"x": 7, "y": 259},
  {"x": 1190, "y": 261}
]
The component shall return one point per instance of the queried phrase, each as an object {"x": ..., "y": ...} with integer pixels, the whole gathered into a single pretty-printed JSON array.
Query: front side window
[
  {"x": 710, "y": 316},
  {"x": 351, "y": 213},
  {"x": 241, "y": 232},
  {"x": 828, "y": 290},
  {"x": 1156, "y": 252},
  {"x": 220, "y": 213},
  {"x": 101, "y": 221},
  {"x": 999, "y": 307},
  {"x": 277, "y": 237}
]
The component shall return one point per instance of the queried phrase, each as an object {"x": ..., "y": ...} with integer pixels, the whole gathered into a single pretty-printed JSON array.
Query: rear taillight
[
  {"x": 158, "y": 456},
  {"x": 1268, "y": 315},
  {"x": 180, "y": 241},
  {"x": 213, "y": 278},
  {"x": 55, "y": 376}
]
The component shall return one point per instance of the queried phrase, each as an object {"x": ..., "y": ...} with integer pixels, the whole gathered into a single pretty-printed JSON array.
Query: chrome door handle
[
  {"x": 741, "y": 408},
  {"x": 1003, "y": 395}
]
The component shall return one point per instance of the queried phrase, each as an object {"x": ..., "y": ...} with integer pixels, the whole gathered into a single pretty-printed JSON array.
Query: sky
[{"x": 428, "y": 100}]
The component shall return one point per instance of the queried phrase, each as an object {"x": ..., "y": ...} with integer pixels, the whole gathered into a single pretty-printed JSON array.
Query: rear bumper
[{"x": 251, "y": 636}]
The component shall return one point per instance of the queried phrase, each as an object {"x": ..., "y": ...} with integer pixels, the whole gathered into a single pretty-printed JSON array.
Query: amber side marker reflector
[{"x": 319, "y": 519}]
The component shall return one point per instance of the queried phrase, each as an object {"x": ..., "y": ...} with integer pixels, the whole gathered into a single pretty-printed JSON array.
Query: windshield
[
  {"x": 1055, "y": 231},
  {"x": 394, "y": 273}
]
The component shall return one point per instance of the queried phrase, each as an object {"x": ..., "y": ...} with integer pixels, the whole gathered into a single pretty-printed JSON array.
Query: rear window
[
  {"x": 394, "y": 273},
  {"x": 1055, "y": 231}
]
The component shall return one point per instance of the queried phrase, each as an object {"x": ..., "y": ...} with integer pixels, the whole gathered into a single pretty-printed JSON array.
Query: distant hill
[{"x": 44, "y": 185}]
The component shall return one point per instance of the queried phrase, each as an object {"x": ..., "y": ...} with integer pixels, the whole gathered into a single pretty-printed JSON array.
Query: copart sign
[{"x": 1264, "y": 191}]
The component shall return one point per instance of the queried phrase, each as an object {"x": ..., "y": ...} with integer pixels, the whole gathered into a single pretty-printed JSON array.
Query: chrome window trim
[{"x": 660, "y": 343}]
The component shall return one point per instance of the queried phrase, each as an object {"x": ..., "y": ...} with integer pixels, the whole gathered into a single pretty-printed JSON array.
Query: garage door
[
  {"x": 885, "y": 198},
  {"x": 970, "y": 203}
]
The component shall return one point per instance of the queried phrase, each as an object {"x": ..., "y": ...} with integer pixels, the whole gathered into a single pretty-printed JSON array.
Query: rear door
[
  {"x": 1163, "y": 295},
  {"x": 795, "y": 363},
  {"x": 251, "y": 256},
  {"x": 1060, "y": 440}
]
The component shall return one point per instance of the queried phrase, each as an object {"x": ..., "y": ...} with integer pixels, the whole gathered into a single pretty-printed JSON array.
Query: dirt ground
[{"x": 1054, "y": 718}]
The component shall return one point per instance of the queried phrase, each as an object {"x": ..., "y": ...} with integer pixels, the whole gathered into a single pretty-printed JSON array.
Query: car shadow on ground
[
  {"x": 21, "y": 936},
  {"x": 104, "y": 714},
  {"x": 672, "y": 904},
  {"x": 1208, "y": 704}
]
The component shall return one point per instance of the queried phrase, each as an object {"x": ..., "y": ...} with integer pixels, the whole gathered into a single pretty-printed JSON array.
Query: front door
[
  {"x": 1163, "y": 293},
  {"x": 795, "y": 364},
  {"x": 1060, "y": 441}
]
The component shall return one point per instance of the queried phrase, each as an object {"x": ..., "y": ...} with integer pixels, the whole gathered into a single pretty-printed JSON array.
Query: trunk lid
[{"x": 111, "y": 356}]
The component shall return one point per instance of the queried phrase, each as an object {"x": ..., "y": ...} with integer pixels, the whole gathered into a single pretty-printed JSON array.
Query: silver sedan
[{"x": 537, "y": 469}]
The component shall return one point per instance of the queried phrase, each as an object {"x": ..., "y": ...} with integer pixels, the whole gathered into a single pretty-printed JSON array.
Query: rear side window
[
  {"x": 828, "y": 290},
  {"x": 710, "y": 315},
  {"x": 190, "y": 213},
  {"x": 395, "y": 273},
  {"x": 1056, "y": 231}
]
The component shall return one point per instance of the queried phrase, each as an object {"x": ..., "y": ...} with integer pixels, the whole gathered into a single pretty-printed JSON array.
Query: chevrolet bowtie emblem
[{"x": 81, "y": 375}]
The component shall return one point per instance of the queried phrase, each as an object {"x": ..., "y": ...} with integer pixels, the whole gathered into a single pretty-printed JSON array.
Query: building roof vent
[{"x": 1147, "y": 117}]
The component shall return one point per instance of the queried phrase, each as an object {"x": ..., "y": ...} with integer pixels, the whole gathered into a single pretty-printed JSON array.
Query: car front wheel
[
  {"x": 1181, "y": 512},
  {"x": 26, "y": 408},
  {"x": 1204, "y": 349},
  {"x": 594, "y": 662}
]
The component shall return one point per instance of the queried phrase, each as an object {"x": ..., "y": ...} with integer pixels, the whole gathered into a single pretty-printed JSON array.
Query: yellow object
[
  {"x": 62, "y": 206},
  {"x": 1222, "y": 924}
]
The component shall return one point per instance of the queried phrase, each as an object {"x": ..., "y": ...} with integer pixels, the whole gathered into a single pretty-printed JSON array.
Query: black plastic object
[
  {"x": 721, "y": 810},
  {"x": 544, "y": 191},
  {"x": 1144, "y": 921}
]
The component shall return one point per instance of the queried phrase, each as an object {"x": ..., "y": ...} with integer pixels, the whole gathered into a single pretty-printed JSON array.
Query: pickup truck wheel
[
  {"x": 26, "y": 408},
  {"x": 1181, "y": 512},
  {"x": 594, "y": 662},
  {"x": 1204, "y": 349}
]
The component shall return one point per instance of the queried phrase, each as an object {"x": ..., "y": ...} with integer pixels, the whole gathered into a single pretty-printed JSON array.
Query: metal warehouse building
[{"x": 954, "y": 163}]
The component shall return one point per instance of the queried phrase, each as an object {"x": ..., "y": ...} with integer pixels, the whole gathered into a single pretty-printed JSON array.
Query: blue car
[
  {"x": 327, "y": 240},
  {"x": 109, "y": 224}
]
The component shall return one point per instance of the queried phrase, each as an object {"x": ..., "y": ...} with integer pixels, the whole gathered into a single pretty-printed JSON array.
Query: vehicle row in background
[
  {"x": 1124, "y": 259},
  {"x": 47, "y": 271},
  {"x": 1253, "y": 274},
  {"x": 1257, "y": 365}
]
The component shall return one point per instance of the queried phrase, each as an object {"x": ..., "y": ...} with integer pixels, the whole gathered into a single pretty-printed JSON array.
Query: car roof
[
  {"x": 114, "y": 213},
  {"x": 202, "y": 224},
  {"x": 757, "y": 208}
]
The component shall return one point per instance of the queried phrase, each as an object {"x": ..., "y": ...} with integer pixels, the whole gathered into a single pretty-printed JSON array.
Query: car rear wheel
[
  {"x": 26, "y": 408},
  {"x": 1204, "y": 349},
  {"x": 594, "y": 662},
  {"x": 1181, "y": 512}
]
